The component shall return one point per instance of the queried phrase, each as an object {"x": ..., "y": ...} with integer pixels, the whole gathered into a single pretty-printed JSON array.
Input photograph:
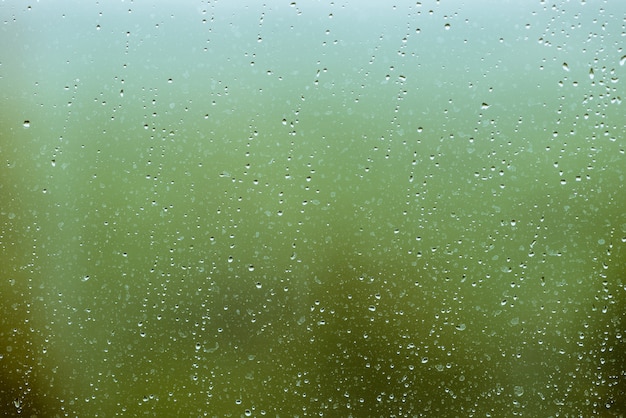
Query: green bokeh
[{"x": 339, "y": 209}]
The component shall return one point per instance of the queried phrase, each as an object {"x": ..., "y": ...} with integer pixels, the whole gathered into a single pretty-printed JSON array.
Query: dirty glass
[{"x": 312, "y": 208}]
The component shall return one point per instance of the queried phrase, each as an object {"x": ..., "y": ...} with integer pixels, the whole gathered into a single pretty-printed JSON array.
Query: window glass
[{"x": 312, "y": 208}]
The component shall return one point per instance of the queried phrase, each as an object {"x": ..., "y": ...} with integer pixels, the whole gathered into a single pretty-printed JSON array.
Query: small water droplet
[{"x": 26, "y": 124}]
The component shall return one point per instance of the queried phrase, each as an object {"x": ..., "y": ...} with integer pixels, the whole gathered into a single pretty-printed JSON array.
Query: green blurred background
[{"x": 312, "y": 208}]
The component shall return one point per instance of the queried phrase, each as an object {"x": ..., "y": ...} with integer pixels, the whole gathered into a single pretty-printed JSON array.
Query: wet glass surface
[{"x": 316, "y": 208}]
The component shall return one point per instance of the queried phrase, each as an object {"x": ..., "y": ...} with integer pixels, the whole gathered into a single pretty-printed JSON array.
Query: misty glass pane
[{"x": 313, "y": 208}]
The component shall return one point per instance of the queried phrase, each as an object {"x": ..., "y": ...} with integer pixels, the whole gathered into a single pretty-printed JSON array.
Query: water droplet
[
  {"x": 565, "y": 66},
  {"x": 26, "y": 124},
  {"x": 518, "y": 390}
]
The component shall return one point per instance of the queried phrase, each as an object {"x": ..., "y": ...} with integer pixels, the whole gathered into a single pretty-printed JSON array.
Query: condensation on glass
[{"x": 312, "y": 208}]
